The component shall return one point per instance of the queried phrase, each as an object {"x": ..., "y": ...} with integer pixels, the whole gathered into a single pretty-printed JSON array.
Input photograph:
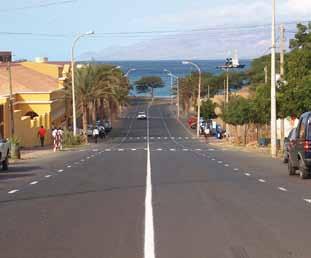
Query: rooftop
[{"x": 25, "y": 80}]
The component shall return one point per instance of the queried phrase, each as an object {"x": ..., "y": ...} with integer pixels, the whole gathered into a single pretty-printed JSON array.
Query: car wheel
[
  {"x": 303, "y": 172},
  {"x": 291, "y": 169},
  {"x": 5, "y": 164}
]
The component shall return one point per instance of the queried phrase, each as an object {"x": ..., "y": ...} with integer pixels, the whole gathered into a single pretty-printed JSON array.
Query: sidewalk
[{"x": 223, "y": 143}]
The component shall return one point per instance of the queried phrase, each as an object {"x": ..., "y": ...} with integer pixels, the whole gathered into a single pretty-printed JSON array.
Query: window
[{"x": 302, "y": 128}]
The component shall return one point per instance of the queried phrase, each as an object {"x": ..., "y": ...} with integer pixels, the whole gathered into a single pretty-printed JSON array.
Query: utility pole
[
  {"x": 273, "y": 87},
  {"x": 227, "y": 98},
  {"x": 208, "y": 91},
  {"x": 266, "y": 74},
  {"x": 282, "y": 73},
  {"x": 225, "y": 92},
  {"x": 11, "y": 100}
]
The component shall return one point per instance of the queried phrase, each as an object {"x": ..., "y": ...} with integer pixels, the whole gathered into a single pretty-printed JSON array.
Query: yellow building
[{"x": 38, "y": 97}]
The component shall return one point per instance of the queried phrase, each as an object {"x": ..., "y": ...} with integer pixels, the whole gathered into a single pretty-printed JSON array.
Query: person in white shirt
[{"x": 95, "y": 134}]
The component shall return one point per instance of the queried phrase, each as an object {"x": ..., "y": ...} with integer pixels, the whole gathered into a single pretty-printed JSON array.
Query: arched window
[{"x": 31, "y": 114}]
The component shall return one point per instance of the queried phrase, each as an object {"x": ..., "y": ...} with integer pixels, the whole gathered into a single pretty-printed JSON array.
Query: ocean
[{"x": 156, "y": 68}]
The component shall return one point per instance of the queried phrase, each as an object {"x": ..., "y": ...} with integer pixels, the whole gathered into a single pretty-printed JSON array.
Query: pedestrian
[
  {"x": 95, "y": 134},
  {"x": 41, "y": 134},
  {"x": 206, "y": 133},
  {"x": 55, "y": 138},
  {"x": 60, "y": 135}
]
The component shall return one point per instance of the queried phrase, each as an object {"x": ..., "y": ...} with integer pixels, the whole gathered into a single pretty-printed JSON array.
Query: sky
[{"x": 198, "y": 29}]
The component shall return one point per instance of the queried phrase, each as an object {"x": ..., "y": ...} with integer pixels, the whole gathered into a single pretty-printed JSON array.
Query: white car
[
  {"x": 141, "y": 116},
  {"x": 4, "y": 153}
]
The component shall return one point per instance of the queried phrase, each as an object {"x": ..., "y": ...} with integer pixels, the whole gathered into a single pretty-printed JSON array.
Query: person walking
[
  {"x": 206, "y": 133},
  {"x": 41, "y": 134},
  {"x": 95, "y": 134},
  {"x": 55, "y": 138},
  {"x": 60, "y": 135}
]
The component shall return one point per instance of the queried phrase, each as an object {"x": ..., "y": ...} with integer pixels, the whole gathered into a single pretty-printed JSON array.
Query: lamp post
[
  {"x": 74, "y": 115},
  {"x": 177, "y": 82},
  {"x": 273, "y": 86},
  {"x": 199, "y": 94}
]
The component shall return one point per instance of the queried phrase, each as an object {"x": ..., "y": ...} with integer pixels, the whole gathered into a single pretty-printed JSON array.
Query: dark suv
[{"x": 299, "y": 149}]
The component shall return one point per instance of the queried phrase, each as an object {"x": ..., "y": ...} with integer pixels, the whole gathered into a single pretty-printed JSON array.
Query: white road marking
[
  {"x": 186, "y": 138},
  {"x": 67, "y": 167},
  {"x": 152, "y": 138},
  {"x": 159, "y": 138},
  {"x": 133, "y": 149},
  {"x": 61, "y": 170},
  {"x": 236, "y": 169},
  {"x": 261, "y": 180},
  {"x": 220, "y": 162},
  {"x": 172, "y": 138},
  {"x": 82, "y": 160},
  {"x": 95, "y": 150},
  {"x": 47, "y": 176},
  {"x": 198, "y": 149},
  {"x": 159, "y": 149},
  {"x": 247, "y": 174},
  {"x": 34, "y": 183},
  {"x": 145, "y": 149},
  {"x": 307, "y": 200},
  {"x": 13, "y": 191},
  {"x": 226, "y": 165},
  {"x": 213, "y": 159},
  {"x": 120, "y": 149},
  {"x": 165, "y": 138},
  {"x": 179, "y": 138},
  {"x": 185, "y": 149},
  {"x": 172, "y": 149},
  {"x": 282, "y": 189},
  {"x": 137, "y": 138},
  {"x": 211, "y": 149},
  {"x": 149, "y": 246},
  {"x": 145, "y": 138},
  {"x": 106, "y": 150},
  {"x": 131, "y": 138}
]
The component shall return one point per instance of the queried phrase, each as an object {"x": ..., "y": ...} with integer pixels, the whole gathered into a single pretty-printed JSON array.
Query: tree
[
  {"x": 148, "y": 84},
  {"x": 208, "y": 109}
]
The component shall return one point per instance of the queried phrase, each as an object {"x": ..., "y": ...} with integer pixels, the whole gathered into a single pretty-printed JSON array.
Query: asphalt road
[{"x": 151, "y": 190}]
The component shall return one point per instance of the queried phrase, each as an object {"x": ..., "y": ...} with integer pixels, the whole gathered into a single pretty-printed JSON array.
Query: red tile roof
[{"x": 25, "y": 80}]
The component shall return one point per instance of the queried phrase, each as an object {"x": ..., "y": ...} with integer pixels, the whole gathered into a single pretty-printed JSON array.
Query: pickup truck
[{"x": 4, "y": 153}]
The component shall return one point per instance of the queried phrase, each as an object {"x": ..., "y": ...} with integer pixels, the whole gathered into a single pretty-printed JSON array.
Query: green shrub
[{"x": 70, "y": 140}]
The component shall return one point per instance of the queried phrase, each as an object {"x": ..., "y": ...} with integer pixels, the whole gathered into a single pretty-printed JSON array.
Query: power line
[{"x": 42, "y": 5}]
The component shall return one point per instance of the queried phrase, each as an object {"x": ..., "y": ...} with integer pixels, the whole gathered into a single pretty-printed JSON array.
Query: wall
[
  {"x": 52, "y": 70},
  {"x": 27, "y": 130}
]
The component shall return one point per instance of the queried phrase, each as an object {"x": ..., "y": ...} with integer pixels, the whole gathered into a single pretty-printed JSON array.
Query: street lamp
[
  {"x": 167, "y": 71},
  {"x": 129, "y": 71},
  {"x": 199, "y": 93},
  {"x": 74, "y": 115},
  {"x": 177, "y": 82},
  {"x": 273, "y": 86}
]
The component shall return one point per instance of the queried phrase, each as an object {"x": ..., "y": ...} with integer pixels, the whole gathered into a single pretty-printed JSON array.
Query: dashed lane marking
[
  {"x": 247, "y": 174},
  {"x": 33, "y": 182},
  {"x": 107, "y": 149},
  {"x": 213, "y": 159},
  {"x": 67, "y": 167},
  {"x": 133, "y": 149},
  {"x": 159, "y": 149},
  {"x": 307, "y": 200},
  {"x": 120, "y": 149},
  {"x": 236, "y": 169},
  {"x": 220, "y": 162},
  {"x": 47, "y": 176},
  {"x": 226, "y": 165},
  {"x": 261, "y": 180},
  {"x": 282, "y": 189},
  {"x": 61, "y": 170},
  {"x": 185, "y": 149},
  {"x": 13, "y": 191},
  {"x": 172, "y": 149}
]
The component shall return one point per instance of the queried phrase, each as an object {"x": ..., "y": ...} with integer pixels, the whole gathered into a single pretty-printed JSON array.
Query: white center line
[
  {"x": 47, "y": 176},
  {"x": 282, "y": 189},
  {"x": 149, "y": 248},
  {"x": 172, "y": 150},
  {"x": 159, "y": 149},
  {"x": 185, "y": 149},
  {"x": 13, "y": 191},
  {"x": 133, "y": 149},
  {"x": 34, "y": 183},
  {"x": 247, "y": 174},
  {"x": 261, "y": 180}
]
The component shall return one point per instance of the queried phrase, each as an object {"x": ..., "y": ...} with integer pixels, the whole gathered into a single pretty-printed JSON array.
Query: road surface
[{"x": 152, "y": 190}]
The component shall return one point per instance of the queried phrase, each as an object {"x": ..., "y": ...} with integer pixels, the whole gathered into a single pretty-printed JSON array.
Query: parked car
[
  {"x": 141, "y": 116},
  {"x": 299, "y": 157},
  {"x": 4, "y": 153},
  {"x": 291, "y": 136}
]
